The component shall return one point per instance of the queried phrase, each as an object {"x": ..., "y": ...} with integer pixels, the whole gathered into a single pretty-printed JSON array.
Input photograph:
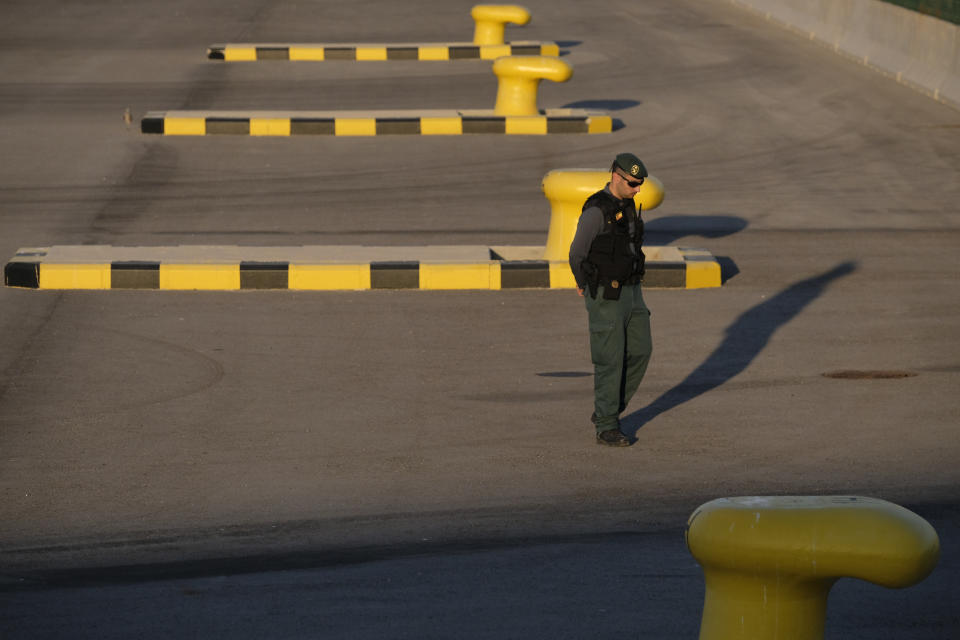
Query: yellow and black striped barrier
[
  {"x": 249, "y": 52},
  {"x": 515, "y": 112},
  {"x": 344, "y": 267},
  {"x": 287, "y": 123},
  {"x": 229, "y": 268},
  {"x": 488, "y": 44}
]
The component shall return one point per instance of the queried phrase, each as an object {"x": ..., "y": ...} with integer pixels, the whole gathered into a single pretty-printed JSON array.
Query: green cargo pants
[{"x": 620, "y": 347}]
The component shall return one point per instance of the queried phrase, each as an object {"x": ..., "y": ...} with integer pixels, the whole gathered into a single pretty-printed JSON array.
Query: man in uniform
[{"x": 608, "y": 266}]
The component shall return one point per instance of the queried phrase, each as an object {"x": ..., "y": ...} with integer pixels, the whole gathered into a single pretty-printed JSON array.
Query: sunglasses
[{"x": 633, "y": 184}]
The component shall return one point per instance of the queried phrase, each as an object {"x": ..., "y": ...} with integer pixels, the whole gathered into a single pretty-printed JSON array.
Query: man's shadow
[{"x": 745, "y": 339}]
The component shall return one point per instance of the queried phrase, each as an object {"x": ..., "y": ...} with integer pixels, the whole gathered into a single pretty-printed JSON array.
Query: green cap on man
[{"x": 631, "y": 165}]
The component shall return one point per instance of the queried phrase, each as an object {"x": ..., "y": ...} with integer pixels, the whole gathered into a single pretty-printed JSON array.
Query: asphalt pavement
[{"x": 421, "y": 463}]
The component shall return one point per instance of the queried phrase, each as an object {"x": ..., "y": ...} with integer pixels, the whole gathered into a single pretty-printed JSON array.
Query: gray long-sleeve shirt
[{"x": 588, "y": 227}]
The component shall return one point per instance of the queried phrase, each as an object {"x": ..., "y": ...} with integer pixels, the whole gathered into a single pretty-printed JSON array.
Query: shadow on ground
[
  {"x": 667, "y": 230},
  {"x": 605, "y": 105},
  {"x": 743, "y": 342}
]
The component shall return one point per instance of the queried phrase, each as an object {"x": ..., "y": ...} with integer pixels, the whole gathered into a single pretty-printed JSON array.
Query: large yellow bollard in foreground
[
  {"x": 518, "y": 79},
  {"x": 769, "y": 562},
  {"x": 490, "y": 20},
  {"x": 568, "y": 189}
]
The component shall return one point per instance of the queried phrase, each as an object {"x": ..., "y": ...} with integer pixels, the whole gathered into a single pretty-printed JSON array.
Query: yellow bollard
[
  {"x": 568, "y": 189},
  {"x": 491, "y": 18},
  {"x": 769, "y": 562},
  {"x": 518, "y": 78}
]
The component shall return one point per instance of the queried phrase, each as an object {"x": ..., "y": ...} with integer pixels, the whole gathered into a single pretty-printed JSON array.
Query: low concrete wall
[{"x": 915, "y": 49}]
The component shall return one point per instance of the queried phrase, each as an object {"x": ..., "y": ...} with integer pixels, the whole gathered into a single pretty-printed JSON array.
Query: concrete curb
[
  {"x": 373, "y": 123},
  {"x": 916, "y": 50},
  {"x": 249, "y": 51},
  {"x": 329, "y": 268}
]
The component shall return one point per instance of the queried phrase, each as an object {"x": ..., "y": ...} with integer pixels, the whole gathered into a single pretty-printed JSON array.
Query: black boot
[{"x": 613, "y": 438}]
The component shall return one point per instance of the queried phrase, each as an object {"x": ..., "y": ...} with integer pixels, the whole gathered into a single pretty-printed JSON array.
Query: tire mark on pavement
[{"x": 210, "y": 373}]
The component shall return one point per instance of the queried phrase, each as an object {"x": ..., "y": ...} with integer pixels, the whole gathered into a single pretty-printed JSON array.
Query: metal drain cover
[{"x": 854, "y": 374}]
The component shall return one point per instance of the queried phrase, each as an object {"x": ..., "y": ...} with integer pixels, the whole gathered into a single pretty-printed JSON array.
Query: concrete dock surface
[{"x": 378, "y": 464}]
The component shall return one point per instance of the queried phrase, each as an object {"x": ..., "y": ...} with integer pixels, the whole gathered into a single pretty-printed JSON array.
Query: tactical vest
[{"x": 611, "y": 260}]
